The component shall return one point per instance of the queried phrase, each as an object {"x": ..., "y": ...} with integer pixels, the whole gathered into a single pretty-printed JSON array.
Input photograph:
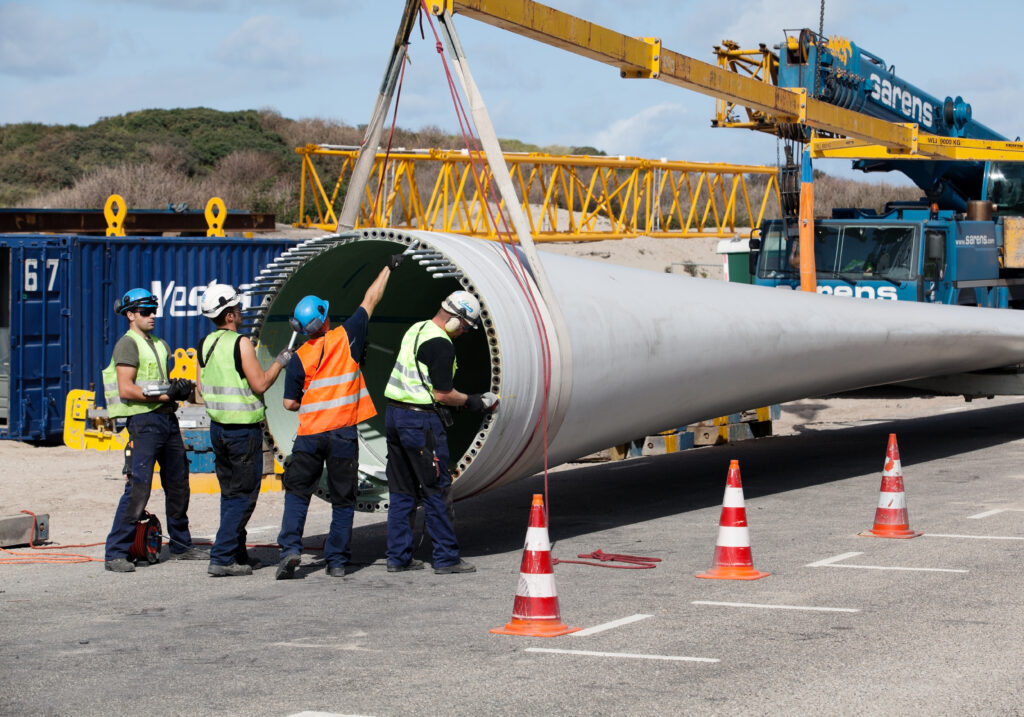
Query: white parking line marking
[
  {"x": 609, "y": 625},
  {"x": 834, "y": 563},
  {"x": 994, "y": 511},
  {"x": 986, "y": 514},
  {"x": 977, "y": 537},
  {"x": 631, "y": 655},
  {"x": 775, "y": 607},
  {"x": 829, "y": 561}
]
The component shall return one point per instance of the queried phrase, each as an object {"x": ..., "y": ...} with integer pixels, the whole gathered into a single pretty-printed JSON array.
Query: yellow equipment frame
[{"x": 571, "y": 197}]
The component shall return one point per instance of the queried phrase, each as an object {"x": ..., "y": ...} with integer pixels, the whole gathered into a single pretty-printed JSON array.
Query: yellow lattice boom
[{"x": 565, "y": 197}]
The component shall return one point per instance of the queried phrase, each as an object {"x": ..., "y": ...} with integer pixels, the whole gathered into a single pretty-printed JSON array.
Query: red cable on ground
[
  {"x": 503, "y": 232},
  {"x": 47, "y": 557},
  {"x": 638, "y": 562}
]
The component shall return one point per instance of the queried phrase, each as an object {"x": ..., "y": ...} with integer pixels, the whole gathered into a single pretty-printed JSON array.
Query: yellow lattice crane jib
[{"x": 565, "y": 197}]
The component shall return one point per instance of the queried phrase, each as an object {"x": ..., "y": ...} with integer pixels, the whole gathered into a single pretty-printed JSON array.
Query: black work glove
[
  {"x": 181, "y": 388},
  {"x": 395, "y": 261}
]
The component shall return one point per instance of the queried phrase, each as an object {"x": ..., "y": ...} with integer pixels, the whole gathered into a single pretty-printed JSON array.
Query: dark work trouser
[
  {"x": 155, "y": 437},
  {"x": 339, "y": 451},
  {"x": 418, "y": 467},
  {"x": 238, "y": 460}
]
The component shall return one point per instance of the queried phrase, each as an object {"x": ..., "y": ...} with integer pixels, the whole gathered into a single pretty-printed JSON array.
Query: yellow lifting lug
[
  {"x": 115, "y": 211},
  {"x": 653, "y": 69},
  {"x": 216, "y": 213},
  {"x": 85, "y": 432},
  {"x": 440, "y": 7},
  {"x": 185, "y": 362}
]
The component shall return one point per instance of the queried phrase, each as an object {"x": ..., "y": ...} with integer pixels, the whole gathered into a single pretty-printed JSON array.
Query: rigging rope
[{"x": 513, "y": 259}]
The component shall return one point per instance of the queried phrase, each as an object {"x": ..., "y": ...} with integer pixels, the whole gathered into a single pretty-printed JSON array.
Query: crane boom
[{"x": 646, "y": 58}]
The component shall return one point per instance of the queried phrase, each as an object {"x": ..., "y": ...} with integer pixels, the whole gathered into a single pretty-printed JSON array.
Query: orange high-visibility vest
[{"x": 335, "y": 393}]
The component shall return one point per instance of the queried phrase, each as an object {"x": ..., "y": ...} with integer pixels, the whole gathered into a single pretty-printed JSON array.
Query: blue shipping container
[{"x": 57, "y": 323}]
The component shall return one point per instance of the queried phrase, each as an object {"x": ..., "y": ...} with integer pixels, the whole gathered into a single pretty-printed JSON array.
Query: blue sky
[{"x": 74, "y": 61}]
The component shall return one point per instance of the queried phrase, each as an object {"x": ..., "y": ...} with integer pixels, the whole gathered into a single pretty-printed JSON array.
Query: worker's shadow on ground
[{"x": 601, "y": 497}]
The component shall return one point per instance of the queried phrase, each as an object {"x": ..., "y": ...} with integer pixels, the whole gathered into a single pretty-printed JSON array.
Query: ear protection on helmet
[
  {"x": 453, "y": 324},
  {"x": 313, "y": 325},
  {"x": 465, "y": 309},
  {"x": 310, "y": 315}
]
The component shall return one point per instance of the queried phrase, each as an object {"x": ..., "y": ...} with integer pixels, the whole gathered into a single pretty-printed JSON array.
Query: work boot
[
  {"x": 231, "y": 569},
  {"x": 460, "y": 567},
  {"x": 119, "y": 565},
  {"x": 192, "y": 553},
  {"x": 249, "y": 559},
  {"x": 286, "y": 568},
  {"x": 411, "y": 565},
  {"x": 336, "y": 571}
]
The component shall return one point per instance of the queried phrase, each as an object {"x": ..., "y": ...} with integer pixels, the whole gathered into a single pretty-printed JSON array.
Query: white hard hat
[
  {"x": 464, "y": 305},
  {"x": 216, "y": 298}
]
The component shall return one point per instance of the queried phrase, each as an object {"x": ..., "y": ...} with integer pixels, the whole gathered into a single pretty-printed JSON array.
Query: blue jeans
[
  {"x": 339, "y": 451},
  {"x": 418, "y": 468},
  {"x": 153, "y": 437},
  {"x": 238, "y": 460}
]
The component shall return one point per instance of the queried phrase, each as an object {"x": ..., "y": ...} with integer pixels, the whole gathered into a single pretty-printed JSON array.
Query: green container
[{"x": 736, "y": 257}]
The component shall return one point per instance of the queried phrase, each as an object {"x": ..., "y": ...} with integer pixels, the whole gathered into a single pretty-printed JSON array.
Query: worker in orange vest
[{"x": 324, "y": 384}]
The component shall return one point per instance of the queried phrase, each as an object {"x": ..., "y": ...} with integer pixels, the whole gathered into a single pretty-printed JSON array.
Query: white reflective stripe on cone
[
  {"x": 892, "y": 501},
  {"x": 538, "y": 586},
  {"x": 733, "y": 498},
  {"x": 537, "y": 540},
  {"x": 732, "y": 537}
]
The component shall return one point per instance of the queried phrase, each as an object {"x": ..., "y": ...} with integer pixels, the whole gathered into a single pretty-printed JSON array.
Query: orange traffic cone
[
  {"x": 891, "y": 519},
  {"x": 733, "y": 560},
  {"x": 535, "y": 612}
]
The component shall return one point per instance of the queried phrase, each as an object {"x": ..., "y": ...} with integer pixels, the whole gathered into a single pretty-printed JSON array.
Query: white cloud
[
  {"x": 265, "y": 43},
  {"x": 647, "y": 133},
  {"x": 35, "y": 44}
]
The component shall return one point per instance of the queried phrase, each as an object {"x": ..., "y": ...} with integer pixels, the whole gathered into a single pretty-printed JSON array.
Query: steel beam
[{"x": 92, "y": 221}]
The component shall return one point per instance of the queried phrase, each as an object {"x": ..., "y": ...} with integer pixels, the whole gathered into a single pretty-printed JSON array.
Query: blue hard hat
[
  {"x": 310, "y": 314},
  {"x": 133, "y": 300}
]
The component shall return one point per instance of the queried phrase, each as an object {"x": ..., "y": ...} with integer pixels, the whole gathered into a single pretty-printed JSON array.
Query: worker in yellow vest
[
  {"x": 324, "y": 384},
  {"x": 420, "y": 394},
  {"x": 136, "y": 387},
  {"x": 232, "y": 383}
]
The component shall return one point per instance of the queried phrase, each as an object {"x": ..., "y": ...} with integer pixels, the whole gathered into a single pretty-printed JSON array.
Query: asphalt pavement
[{"x": 842, "y": 625}]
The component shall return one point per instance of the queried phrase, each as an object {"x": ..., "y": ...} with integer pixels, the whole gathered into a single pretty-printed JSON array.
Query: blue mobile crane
[{"x": 962, "y": 243}]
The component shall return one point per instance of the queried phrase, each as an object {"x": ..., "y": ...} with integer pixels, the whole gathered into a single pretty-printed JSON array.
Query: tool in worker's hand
[{"x": 151, "y": 391}]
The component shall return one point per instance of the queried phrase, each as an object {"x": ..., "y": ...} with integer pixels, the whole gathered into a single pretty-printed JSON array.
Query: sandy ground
[{"x": 79, "y": 489}]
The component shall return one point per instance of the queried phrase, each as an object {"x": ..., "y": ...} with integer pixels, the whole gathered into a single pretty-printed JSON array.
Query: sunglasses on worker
[{"x": 146, "y": 312}]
